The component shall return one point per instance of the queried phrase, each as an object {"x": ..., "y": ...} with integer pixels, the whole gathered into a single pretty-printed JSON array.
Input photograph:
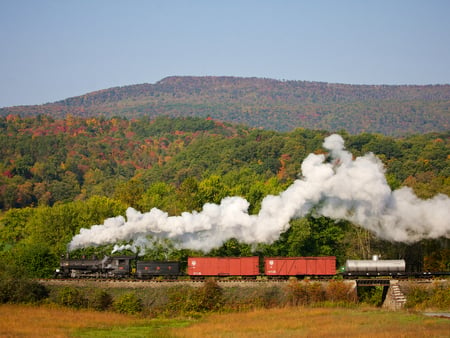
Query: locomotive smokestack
[{"x": 342, "y": 189}]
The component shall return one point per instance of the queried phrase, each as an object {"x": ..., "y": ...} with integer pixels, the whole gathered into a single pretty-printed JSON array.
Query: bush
[
  {"x": 417, "y": 297},
  {"x": 72, "y": 297},
  {"x": 422, "y": 297},
  {"x": 128, "y": 303},
  {"x": 180, "y": 299},
  {"x": 440, "y": 297},
  {"x": 304, "y": 293},
  {"x": 297, "y": 294},
  {"x": 339, "y": 291},
  {"x": 372, "y": 295},
  {"x": 15, "y": 288},
  {"x": 209, "y": 297},
  {"x": 21, "y": 291},
  {"x": 270, "y": 297},
  {"x": 315, "y": 292},
  {"x": 30, "y": 292},
  {"x": 101, "y": 300},
  {"x": 188, "y": 300}
]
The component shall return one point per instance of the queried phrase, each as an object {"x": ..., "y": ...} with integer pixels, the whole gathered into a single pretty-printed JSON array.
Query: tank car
[
  {"x": 152, "y": 269},
  {"x": 375, "y": 267}
]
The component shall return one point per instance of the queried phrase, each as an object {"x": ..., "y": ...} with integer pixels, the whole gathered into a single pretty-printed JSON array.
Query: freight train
[{"x": 234, "y": 267}]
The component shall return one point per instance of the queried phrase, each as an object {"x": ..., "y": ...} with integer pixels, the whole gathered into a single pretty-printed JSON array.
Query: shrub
[
  {"x": 372, "y": 295},
  {"x": 101, "y": 300},
  {"x": 180, "y": 299},
  {"x": 15, "y": 288},
  {"x": 128, "y": 303},
  {"x": 209, "y": 297},
  {"x": 188, "y": 300},
  {"x": 316, "y": 292},
  {"x": 417, "y": 296},
  {"x": 297, "y": 294},
  {"x": 29, "y": 292},
  {"x": 72, "y": 297},
  {"x": 270, "y": 297},
  {"x": 440, "y": 297},
  {"x": 304, "y": 293},
  {"x": 339, "y": 291},
  {"x": 421, "y": 297}
]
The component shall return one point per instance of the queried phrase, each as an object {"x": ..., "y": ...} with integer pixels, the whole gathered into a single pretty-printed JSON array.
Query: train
[{"x": 233, "y": 267}]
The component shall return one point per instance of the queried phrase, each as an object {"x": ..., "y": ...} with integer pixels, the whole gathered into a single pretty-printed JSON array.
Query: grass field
[
  {"x": 318, "y": 322},
  {"x": 48, "y": 321}
]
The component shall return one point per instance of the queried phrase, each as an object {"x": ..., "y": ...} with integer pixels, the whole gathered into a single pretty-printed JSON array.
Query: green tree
[
  {"x": 38, "y": 259},
  {"x": 13, "y": 225},
  {"x": 159, "y": 195},
  {"x": 232, "y": 248},
  {"x": 129, "y": 192},
  {"x": 187, "y": 194},
  {"x": 211, "y": 190}
]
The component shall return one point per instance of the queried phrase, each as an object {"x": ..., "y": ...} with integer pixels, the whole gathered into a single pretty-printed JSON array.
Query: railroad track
[
  {"x": 137, "y": 283},
  {"x": 132, "y": 282}
]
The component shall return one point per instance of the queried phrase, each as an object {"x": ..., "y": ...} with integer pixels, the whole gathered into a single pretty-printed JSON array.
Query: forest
[
  {"x": 58, "y": 175},
  {"x": 266, "y": 103}
]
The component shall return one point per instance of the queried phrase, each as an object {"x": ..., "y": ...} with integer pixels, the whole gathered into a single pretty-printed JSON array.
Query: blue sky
[{"x": 54, "y": 49}]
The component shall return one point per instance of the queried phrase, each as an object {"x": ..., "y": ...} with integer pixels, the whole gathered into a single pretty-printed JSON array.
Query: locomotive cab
[{"x": 120, "y": 266}]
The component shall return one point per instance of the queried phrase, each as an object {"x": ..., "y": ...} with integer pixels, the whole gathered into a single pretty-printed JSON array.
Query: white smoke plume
[{"x": 341, "y": 188}]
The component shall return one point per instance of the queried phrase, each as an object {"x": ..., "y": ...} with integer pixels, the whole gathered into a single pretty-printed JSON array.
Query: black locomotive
[{"x": 108, "y": 267}]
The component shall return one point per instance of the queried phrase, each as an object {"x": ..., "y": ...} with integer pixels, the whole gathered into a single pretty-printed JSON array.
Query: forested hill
[{"x": 268, "y": 104}]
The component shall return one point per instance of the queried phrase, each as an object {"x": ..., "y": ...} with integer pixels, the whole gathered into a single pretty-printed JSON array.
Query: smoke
[{"x": 338, "y": 187}]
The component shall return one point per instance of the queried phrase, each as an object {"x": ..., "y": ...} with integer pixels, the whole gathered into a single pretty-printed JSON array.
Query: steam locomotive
[{"x": 242, "y": 267}]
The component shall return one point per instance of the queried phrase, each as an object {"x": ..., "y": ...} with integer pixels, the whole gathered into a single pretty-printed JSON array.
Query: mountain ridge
[{"x": 280, "y": 105}]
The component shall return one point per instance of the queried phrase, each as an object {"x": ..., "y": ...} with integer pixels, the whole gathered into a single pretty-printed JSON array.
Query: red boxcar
[
  {"x": 300, "y": 266},
  {"x": 223, "y": 266}
]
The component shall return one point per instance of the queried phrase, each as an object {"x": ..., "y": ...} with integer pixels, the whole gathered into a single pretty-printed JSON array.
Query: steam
[{"x": 338, "y": 187}]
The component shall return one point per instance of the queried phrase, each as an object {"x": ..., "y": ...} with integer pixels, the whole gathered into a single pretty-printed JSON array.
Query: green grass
[{"x": 151, "y": 328}]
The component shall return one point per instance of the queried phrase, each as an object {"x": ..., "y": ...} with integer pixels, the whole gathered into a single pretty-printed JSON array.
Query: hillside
[
  {"x": 60, "y": 175},
  {"x": 268, "y": 104}
]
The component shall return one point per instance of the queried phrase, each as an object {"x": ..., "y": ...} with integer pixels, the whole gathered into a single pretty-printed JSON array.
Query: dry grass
[
  {"x": 317, "y": 322},
  {"x": 52, "y": 321}
]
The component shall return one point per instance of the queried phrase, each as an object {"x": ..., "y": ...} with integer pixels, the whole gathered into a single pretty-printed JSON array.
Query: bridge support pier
[
  {"x": 395, "y": 299},
  {"x": 385, "y": 292}
]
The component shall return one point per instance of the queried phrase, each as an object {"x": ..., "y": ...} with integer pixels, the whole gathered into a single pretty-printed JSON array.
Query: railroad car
[
  {"x": 152, "y": 269},
  {"x": 375, "y": 267},
  {"x": 300, "y": 266},
  {"x": 223, "y": 266}
]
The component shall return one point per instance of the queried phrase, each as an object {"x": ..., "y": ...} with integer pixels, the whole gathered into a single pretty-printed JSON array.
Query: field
[{"x": 51, "y": 321}]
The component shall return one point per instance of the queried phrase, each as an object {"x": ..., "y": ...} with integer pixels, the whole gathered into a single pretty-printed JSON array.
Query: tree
[
  {"x": 187, "y": 194},
  {"x": 57, "y": 225},
  {"x": 211, "y": 190},
  {"x": 38, "y": 259},
  {"x": 13, "y": 225},
  {"x": 129, "y": 192},
  {"x": 232, "y": 248},
  {"x": 159, "y": 195}
]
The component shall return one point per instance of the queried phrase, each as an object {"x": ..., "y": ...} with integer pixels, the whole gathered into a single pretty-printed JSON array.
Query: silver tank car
[{"x": 375, "y": 266}]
